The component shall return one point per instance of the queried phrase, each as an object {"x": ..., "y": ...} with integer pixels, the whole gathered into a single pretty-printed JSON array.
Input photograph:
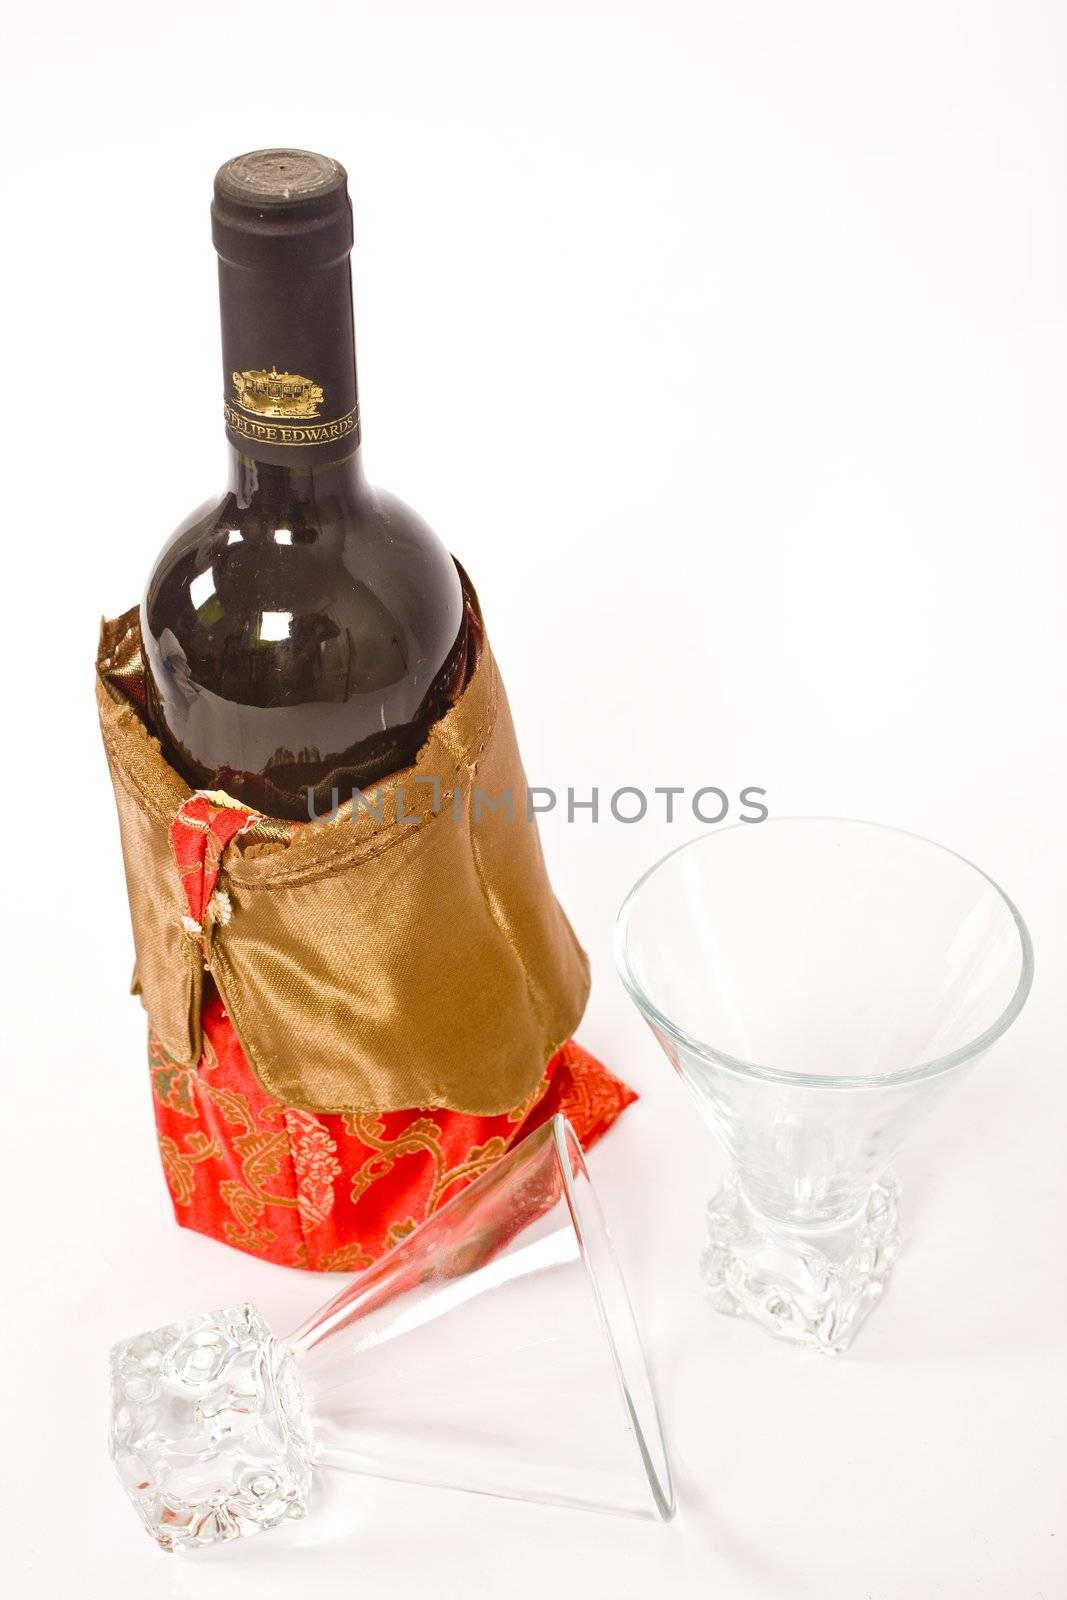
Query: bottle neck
[
  {"x": 289, "y": 369},
  {"x": 262, "y": 486}
]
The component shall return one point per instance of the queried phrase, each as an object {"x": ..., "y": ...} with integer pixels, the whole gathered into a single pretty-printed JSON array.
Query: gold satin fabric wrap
[{"x": 366, "y": 966}]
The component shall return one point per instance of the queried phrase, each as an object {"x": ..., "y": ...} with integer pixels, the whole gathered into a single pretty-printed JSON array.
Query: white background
[{"x": 724, "y": 343}]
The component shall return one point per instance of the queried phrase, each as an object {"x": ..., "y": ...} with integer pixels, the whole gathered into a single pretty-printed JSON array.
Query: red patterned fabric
[
  {"x": 316, "y": 1190},
  {"x": 198, "y": 836}
]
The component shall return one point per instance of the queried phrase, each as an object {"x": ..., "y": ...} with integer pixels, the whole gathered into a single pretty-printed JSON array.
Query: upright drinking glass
[{"x": 818, "y": 984}]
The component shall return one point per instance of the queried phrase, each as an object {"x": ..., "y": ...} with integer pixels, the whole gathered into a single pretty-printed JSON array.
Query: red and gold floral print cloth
[
  {"x": 330, "y": 1192},
  {"x": 334, "y": 1192},
  {"x": 321, "y": 1184}
]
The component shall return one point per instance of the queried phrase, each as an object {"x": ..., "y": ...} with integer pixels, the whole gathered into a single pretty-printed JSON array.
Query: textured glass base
[
  {"x": 208, "y": 1430},
  {"x": 810, "y": 1287}
]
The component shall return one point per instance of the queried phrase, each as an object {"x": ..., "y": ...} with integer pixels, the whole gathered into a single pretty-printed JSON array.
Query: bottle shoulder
[
  {"x": 297, "y": 640},
  {"x": 361, "y": 589}
]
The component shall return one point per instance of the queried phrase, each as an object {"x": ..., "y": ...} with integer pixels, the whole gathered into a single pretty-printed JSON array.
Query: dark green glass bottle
[{"x": 302, "y": 631}]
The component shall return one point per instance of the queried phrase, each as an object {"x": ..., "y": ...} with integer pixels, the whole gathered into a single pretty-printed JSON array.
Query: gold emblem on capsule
[{"x": 277, "y": 394}]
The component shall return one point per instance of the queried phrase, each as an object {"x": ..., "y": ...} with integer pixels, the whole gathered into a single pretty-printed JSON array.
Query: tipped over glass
[
  {"x": 818, "y": 984},
  {"x": 494, "y": 1349}
]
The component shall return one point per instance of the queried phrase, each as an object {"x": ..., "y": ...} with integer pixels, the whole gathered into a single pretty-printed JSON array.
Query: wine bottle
[{"x": 303, "y": 631}]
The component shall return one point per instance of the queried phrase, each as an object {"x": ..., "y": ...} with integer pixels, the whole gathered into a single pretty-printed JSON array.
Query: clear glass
[
  {"x": 494, "y": 1350},
  {"x": 817, "y": 983}
]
